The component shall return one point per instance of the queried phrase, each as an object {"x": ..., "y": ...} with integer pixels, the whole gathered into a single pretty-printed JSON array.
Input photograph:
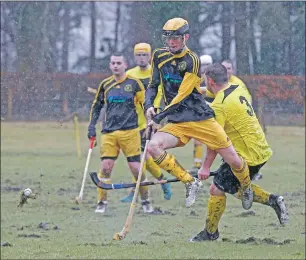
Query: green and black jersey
[
  {"x": 120, "y": 98},
  {"x": 180, "y": 77}
]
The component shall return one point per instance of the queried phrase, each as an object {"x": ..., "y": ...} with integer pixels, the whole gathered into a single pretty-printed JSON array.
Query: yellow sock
[
  {"x": 216, "y": 206},
  {"x": 102, "y": 194},
  {"x": 260, "y": 195},
  {"x": 243, "y": 174},
  {"x": 154, "y": 169},
  {"x": 169, "y": 163},
  {"x": 198, "y": 154}
]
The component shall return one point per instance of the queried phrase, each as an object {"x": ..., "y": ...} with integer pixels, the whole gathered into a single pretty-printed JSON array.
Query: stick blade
[{"x": 118, "y": 236}]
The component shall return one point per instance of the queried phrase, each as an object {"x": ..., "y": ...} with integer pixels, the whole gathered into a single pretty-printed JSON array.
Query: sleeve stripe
[
  {"x": 196, "y": 62},
  {"x": 107, "y": 80}
]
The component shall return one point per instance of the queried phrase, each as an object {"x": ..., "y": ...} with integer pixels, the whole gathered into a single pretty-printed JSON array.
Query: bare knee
[
  {"x": 134, "y": 167},
  {"x": 213, "y": 190},
  {"x": 155, "y": 147},
  {"x": 107, "y": 166}
]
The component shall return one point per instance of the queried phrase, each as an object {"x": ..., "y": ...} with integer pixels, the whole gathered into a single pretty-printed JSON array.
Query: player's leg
[
  {"x": 109, "y": 151},
  {"x": 130, "y": 145},
  {"x": 171, "y": 136},
  {"x": 155, "y": 171},
  {"x": 266, "y": 198},
  {"x": 213, "y": 136},
  {"x": 198, "y": 153},
  {"x": 223, "y": 182},
  {"x": 215, "y": 209}
]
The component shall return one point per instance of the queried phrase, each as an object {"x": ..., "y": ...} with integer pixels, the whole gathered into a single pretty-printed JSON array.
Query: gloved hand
[{"x": 91, "y": 131}]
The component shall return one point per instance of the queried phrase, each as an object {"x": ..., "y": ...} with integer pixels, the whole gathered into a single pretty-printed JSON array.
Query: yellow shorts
[
  {"x": 126, "y": 140},
  {"x": 208, "y": 132}
]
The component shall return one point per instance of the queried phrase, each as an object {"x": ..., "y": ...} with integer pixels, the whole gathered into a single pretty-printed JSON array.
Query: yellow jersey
[
  {"x": 234, "y": 112},
  {"x": 144, "y": 77},
  {"x": 233, "y": 80}
]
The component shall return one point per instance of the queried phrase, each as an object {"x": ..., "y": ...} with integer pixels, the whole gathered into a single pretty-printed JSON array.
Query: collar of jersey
[
  {"x": 180, "y": 55},
  {"x": 121, "y": 80},
  {"x": 223, "y": 89}
]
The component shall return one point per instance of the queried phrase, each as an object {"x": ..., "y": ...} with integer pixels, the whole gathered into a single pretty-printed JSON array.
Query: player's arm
[
  {"x": 152, "y": 89},
  {"x": 192, "y": 78},
  {"x": 95, "y": 111},
  {"x": 140, "y": 93}
]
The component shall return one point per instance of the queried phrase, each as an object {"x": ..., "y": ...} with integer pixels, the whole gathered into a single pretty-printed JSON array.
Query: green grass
[{"x": 43, "y": 156}]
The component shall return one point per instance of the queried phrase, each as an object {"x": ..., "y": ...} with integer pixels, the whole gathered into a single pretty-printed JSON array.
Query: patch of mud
[
  {"x": 139, "y": 243},
  {"x": 62, "y": 191},
  {"x": 11, "y": 189},
  {"x": 157, "y": 211},
  {"x": 6, "y": 244},
  {"x": 47, "y": 226},
  {"x": 193, "y": 213},
  {"x": 30, "y": 235},
  {"x": 94, "y": 244},
  {"x": 75, "y": 208},
  {"x": 156, "y": 233},
  {"x": 258, "y": 241},
  {"x": 295, "y": 194},
  {"x": 246, "y": 214}
]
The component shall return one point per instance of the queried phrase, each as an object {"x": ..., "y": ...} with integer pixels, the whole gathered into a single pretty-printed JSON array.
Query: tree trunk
[
  {"x": 253, "y": 15},
  {"x": 92, "y": 59},
  {"x": 226, "y": 21},
  {"x": 117, "y": 23},
  {"x": 241, "y": 39},
  {"x": 65, "y": 51}
]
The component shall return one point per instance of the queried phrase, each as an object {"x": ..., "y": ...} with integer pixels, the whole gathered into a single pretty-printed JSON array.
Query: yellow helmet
[
  {"x": 176, "y": 26},
  {"x": 142, "y": 47}
]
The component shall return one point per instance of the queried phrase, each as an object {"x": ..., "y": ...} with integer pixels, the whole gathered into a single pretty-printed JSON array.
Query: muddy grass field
[{"x": 42, "y": 156}]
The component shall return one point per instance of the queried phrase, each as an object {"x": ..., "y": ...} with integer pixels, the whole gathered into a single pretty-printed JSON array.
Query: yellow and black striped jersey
[
  {"x": 144, "y": 77},
  {"x": 180, "y": 78},
  {"x": 234, "y": 112},
  {"x": 121, "y": 98}
]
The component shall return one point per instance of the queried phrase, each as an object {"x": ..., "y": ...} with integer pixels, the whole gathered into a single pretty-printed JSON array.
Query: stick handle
[{"x": 91, "y": 145}]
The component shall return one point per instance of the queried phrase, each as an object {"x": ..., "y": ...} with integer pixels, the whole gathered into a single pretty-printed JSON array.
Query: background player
[
  {"x": 119, "y": 93},
  {"x": 142, "y": 55}
]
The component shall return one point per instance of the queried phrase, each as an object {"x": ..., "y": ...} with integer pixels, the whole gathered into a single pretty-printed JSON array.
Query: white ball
[{"x": 27, "y": 192}]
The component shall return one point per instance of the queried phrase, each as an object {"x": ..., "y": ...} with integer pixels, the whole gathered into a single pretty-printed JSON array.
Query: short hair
[
  {"x": 228, "y": 61},
  {"x": 217, "y": 72},
  {"x": 118, "y": 54}
]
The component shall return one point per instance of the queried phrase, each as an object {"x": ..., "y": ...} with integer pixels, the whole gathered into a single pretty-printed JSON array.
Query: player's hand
[
  {"x": 154, "y": 126},
  {"x": 203, "y": 173},
  {"x": 91, "y": 132},
  {"x": 150, "y": 113}
]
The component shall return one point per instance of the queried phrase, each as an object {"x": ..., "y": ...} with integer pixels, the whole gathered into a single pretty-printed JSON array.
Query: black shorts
[
  {"x": 226, "y": 181},
  {"x": 143, "y": 139}
]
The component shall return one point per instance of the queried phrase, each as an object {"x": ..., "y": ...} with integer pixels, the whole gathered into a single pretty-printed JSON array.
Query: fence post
[{"x": 10, "y": 103}]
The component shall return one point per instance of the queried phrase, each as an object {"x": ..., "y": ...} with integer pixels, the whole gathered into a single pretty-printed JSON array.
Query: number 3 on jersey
[{"x": 250, "y": 110}]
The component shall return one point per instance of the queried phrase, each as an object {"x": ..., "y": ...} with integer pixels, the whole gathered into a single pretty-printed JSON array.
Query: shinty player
[
  {"x": 142, "y": 56},
  {"x": 189, "y": 117},
  {"x": 235, "y": 114},
  {"x": 119, "y": 93}
]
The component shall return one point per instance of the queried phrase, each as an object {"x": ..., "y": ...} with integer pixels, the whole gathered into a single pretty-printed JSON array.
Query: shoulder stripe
[
  {"x": 228, "y": 91},
  {"x": 137, "y": 80},
  {"x": 196, "y": 62}
]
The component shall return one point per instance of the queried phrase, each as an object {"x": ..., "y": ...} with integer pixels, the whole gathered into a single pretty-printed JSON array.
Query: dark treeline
[{"x": 261, "y": 37}]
